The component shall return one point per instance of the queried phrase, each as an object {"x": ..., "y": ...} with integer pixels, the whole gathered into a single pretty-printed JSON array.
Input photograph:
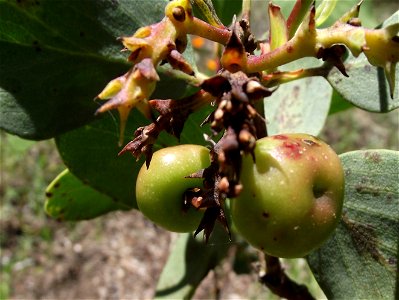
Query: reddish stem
[{"x": 207, "y": 31}]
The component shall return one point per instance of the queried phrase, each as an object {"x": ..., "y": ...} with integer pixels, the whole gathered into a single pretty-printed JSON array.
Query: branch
[{"x": 280, "y": 284}]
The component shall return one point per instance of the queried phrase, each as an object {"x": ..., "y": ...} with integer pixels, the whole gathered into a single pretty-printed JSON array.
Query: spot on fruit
[
  {"x": 310, "y": 142},
  {"x": 280, "y": 137},
  {"x": 292, "y": 149},
  {"x": 265, "y": 214}
]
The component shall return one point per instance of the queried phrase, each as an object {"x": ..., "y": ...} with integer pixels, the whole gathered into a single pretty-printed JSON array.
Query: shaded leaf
[
  {"x": 226, "y": 9},
  {"x": 69, "y": 199},
  {"x": 91, "y": 153},
  {"x": 367, "y": 86},
  {"x": 338, "y": 103},
  {"x": 189, "y": 262},
  {"x": 56, "y": 56},
  {"x": 360, "y": 260}
]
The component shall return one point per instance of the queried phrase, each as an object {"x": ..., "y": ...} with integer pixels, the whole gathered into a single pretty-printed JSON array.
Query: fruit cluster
[
  {"x": 291, "y": 198},
  {"x": 285, "y": 191}
]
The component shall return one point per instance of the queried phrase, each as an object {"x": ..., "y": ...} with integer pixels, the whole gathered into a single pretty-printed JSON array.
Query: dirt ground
[{"x": 117, "y": 257}]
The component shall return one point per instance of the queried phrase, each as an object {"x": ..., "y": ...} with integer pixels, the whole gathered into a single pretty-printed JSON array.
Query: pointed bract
[{"x": 278, "y": 27}]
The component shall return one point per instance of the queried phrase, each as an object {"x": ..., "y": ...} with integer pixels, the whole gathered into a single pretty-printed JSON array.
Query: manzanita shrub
[{"x": 260, "y": 172}]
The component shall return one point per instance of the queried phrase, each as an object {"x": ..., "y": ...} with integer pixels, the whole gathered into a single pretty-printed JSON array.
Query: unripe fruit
[
  {"x": 292, "y": 195},
  {"x": 160, "y": 188}
]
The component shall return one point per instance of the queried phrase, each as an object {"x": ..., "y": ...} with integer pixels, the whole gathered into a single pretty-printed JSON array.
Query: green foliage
[
  {"x": 299, "y": 106},
  {"x": 67, "y": 51},
  {"x": 227, "y": 9},
  {"x": 360, "y": 260},
  {"x": 91, "y": 154},
  {"x": 56, "y": 56},
  {"x": 365, "y": 93},
  {"x": 182, "y": 274},
  {"x": 69, "y": 199}
]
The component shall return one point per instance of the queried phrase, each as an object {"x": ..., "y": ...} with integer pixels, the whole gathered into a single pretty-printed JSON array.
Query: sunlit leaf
[{"x": 69, "y": 199}]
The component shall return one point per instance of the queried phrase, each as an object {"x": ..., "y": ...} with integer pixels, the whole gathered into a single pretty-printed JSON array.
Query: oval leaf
[
  {"x": 299, "y": 106},
  {"x": 91, "y": 154},
  {"x": 338, "y": 103},
  {"x": 366, "y": 86},
  {"x": 56, "y": 56},
  {"x": 69, "y": 199},
  {"x": 360, "y": 260}
]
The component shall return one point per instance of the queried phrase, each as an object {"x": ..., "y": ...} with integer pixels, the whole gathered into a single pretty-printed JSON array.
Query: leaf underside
[
  {"x": 367, "y": 86},
  {"x": 360, "y": 260}
]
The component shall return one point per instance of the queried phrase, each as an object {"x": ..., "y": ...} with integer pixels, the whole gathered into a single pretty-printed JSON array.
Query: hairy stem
[
  {"x": 207, "y": 31},
  {"x": 280, "y": 77}
]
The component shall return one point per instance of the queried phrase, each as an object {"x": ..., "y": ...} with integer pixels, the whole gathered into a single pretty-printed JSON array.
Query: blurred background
[{"x": 122, "y": 254}]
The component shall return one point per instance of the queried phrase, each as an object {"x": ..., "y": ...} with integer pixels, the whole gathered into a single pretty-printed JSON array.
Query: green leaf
[
  {"x": 367, "y": 86},
  {"x": 69, "y": 199},
  {"x": 56, "y": 56},
  {"x": 338, "y": 103},
  {"x": 278, "y": 27},
  {"x": 299, "y": 106},
  {"x": 91, "y": 153},
  {"x": 360, "y": 260},
  {"x": 324, "y": 10},
  {"x": 226, "y": 9},
  {"x": 189, "y": 262}
]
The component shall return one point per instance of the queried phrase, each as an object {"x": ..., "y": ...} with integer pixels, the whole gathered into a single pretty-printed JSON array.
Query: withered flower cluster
[
  {"x": 235, "y": 118},
  {"x": 236, "y": 89}
]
